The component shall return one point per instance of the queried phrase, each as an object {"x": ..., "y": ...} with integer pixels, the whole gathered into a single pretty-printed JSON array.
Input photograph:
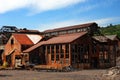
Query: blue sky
[{"x": 49, "y": 14}]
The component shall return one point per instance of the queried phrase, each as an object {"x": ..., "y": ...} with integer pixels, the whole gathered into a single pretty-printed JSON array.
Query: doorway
[{"x": 94, "y": 63}]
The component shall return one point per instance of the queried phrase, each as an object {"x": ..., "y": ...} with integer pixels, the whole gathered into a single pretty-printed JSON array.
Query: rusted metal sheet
[
  {"x": 70, "y": 27},
  {"x": 34, "y": 38},
  {"x": 23, "y": 39}
]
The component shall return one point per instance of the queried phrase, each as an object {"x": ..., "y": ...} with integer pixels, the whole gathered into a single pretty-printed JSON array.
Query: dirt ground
[{"x": 44, "y": 75}]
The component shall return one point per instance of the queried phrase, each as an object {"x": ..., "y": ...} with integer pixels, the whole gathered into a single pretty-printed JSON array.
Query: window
[
  {"x": 67, "y": 55},
  {"x": 71, "y": 31},
  {"x": 88, "y": 28},
  {"x": 102, "y": 48},
  {"x": 105, "y": 55},
  {"x": 105, "y": 48},
  {"x": 62, "y": 56},
  {"x": 67, "y": 48},
  {"x": 47, "y": 34},
  {"x": 73, "y": 58},
  {"x": 74, "y": 48},
  {"x": 86, "y": 56},
  {"x": 94, "y": 49},
  {"x": 67, "y": 61},
  {"x": 84, "y": 29},
  {"x": 52, "y": 57},
  {"x": 86, "y": 60},
  {"x": 48, "y": 49},
  {"x": 63, "y": 48},
  {"x": 100, "y": 55},
  {"x": 62, "y": 32},
  {"x": 57, "y": 57},
  {"x": 79, "y": 30},
  {"x": 12, "y": 41},
  {"x": 52, "y": 49},
  {"x": 54, "y": 33},
  {"x": 81, "y": 49},
  {"x": 57, "y": 48}
]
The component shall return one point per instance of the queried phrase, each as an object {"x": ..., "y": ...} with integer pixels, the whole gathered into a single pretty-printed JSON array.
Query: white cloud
[
  {"x": 106, "y": 21},
  {"x": 46, "y": 26},
  {"x": 36, "y": 5},
  {"x": 100, "y": 22},
  {"x": 8, "y": 5},
  {"x": 86, "y": 8},
  {"x": 92, "y": 4}
]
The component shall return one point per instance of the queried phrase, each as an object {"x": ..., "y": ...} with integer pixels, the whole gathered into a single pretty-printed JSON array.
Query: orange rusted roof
[
  {"x": 67, "y": 38},
  {"x": 34, "y": 47},
  {"x": 23, "y": 39},
  {"x": 71, "y": 27}
]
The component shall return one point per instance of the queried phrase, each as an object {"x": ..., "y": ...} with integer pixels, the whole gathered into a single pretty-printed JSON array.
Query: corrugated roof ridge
[{"x": 70, "y": 27}]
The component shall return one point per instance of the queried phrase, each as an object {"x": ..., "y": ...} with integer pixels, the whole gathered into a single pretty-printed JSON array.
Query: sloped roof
[
  {"x": 35, "y": 38},
  {"x": 67, "y": 38},
  {"x": 105, "y": 38},
  {"x": 27, "y": 39},
  {"x": 112, "y": 37},
  {"x": 71, "y": 27},
  {"x": 34, "y": 47},
  {"x": 100, "y": 38},
  {"x": 23, "y": 39}
]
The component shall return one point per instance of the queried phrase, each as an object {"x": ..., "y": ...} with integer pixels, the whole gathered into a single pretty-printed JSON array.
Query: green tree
[{"x": 111, "y": 30}]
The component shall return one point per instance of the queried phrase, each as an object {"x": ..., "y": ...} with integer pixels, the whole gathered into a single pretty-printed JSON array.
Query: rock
[{"x": 112, "y": 73}]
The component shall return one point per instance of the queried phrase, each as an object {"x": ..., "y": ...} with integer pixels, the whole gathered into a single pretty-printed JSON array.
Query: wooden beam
[
  {"x": 50, "y": 55},
  {"x": 64, "y": 53},
  {"x": 46, "y": 54},
  {"x": 64, "y": 48},
  {"x": 70, "y": 61},
  {"x": 59, "y": 51},
  {"x": 54, "y": 53}
]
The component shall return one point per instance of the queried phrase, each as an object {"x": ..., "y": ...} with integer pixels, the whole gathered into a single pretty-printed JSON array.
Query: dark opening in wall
[{"x": 12, "y": 41}]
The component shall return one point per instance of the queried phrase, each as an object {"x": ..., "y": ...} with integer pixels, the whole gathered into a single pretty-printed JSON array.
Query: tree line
[{"x": 111, "y": 30}]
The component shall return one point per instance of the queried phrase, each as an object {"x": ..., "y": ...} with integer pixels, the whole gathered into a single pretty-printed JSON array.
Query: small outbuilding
[{"x": 16, "y": 44}]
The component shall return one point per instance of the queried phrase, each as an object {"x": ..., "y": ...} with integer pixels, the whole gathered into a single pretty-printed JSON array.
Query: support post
[
  {"x": 54, "y": 53},
  {"x": 70, "y": 54},
  {"x": 46, "y": 54}
]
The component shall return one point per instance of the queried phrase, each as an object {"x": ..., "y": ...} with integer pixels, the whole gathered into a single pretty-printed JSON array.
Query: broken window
[
  {"x": 12, "y": 41},
  {"x": 52, "y": 57},
  {"x": 67, "y": 55},
  {"x": 67, "y": 48},
  {"x": 48, "y": 49},
  {"x": 52, "y": 49},
  {"x": 57, "y": 57},
  {"x": 57, "y": 48}
]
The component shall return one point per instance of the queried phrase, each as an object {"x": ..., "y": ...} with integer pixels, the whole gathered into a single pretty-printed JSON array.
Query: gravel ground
[{"x": 43, "y": 75}]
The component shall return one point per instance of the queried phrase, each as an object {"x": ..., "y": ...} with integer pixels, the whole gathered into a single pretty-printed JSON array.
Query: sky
[{"x": 49, "y": 14}]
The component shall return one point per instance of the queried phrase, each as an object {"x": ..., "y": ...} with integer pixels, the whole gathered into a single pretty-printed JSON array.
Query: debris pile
[
  {"x": 112, "y": 73},
  {"x": 68, "y": 69},
  {"x": 118, "y": 61}
]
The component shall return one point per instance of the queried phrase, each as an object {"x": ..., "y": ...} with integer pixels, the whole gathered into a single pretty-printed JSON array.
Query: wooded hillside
[{"x": 111, "y": 30}]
